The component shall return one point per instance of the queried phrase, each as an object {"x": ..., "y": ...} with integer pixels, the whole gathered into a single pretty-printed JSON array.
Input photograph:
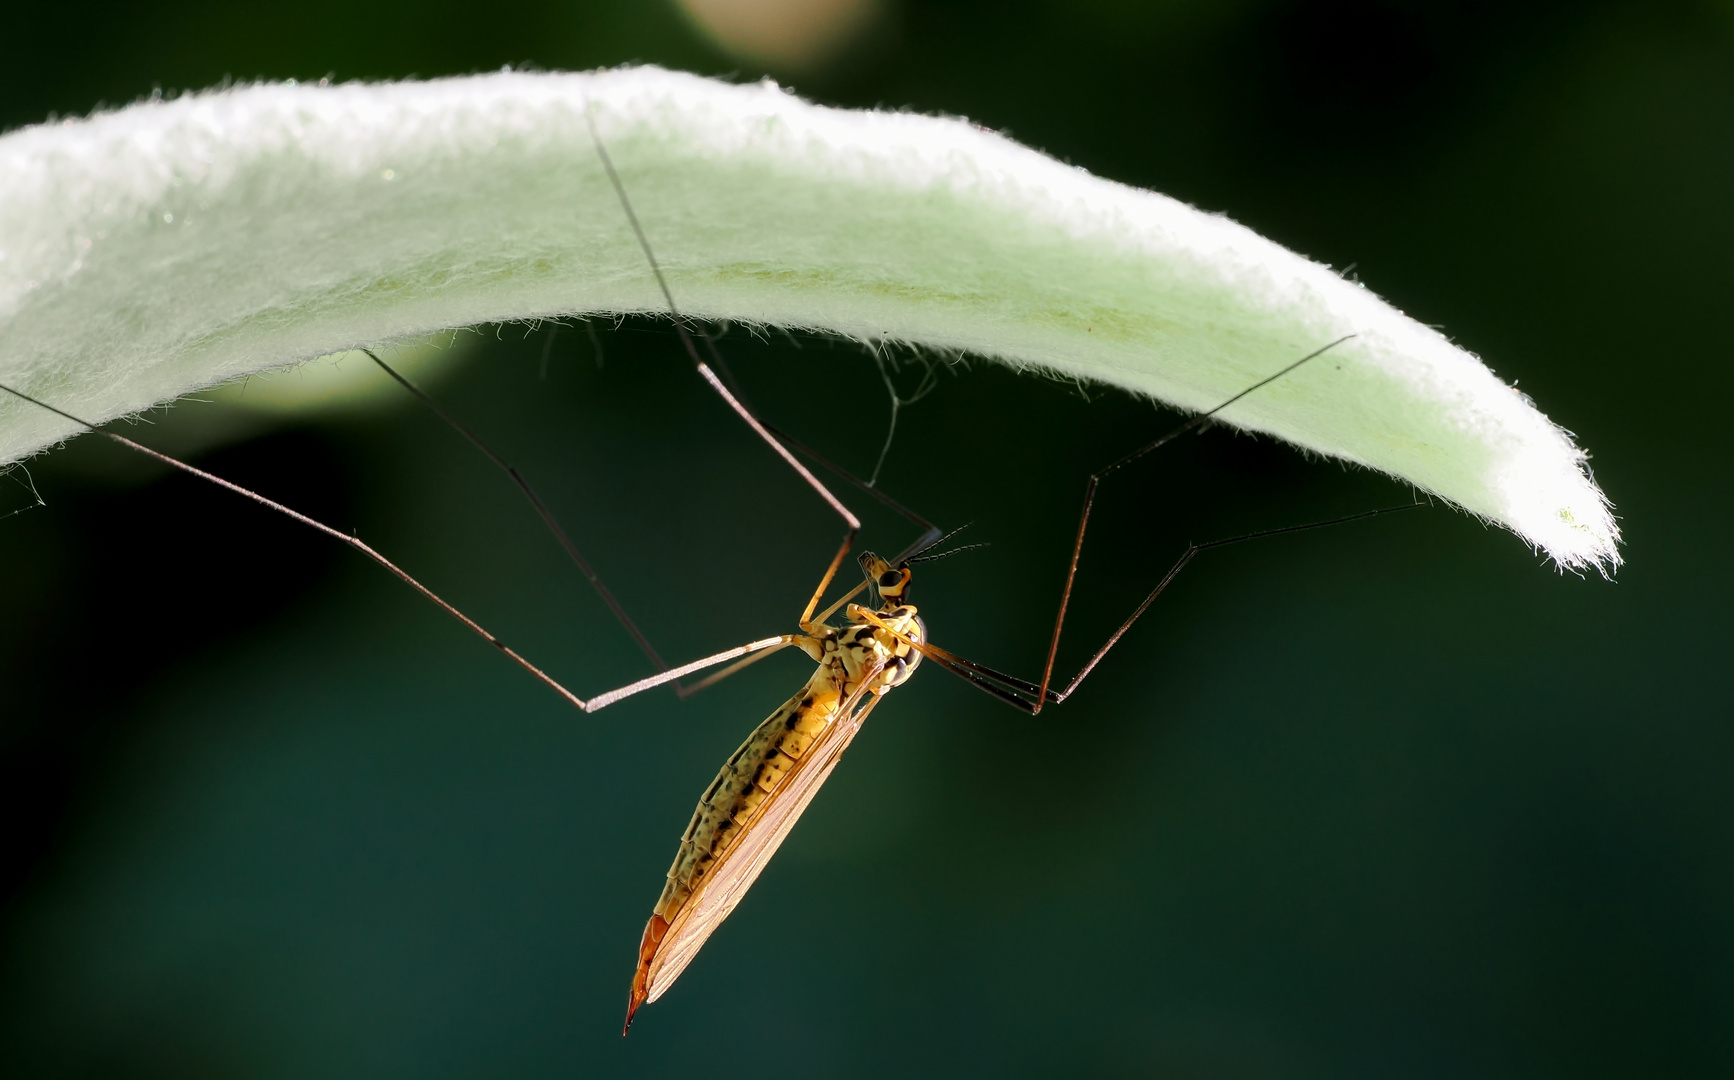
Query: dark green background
[{"x": 1389, "y": 799}]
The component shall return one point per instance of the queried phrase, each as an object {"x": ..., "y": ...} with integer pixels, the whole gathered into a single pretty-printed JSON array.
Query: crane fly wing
[
  {"x": 715, "y": 898},
  {"x": 728, "y": 880},
  {"x": 667, "y": 949}
]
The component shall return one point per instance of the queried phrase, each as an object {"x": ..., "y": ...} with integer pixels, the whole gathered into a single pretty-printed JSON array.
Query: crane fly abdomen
[
  {"x": 753, "y": 773},
  {"x": 755, "y": 800}
]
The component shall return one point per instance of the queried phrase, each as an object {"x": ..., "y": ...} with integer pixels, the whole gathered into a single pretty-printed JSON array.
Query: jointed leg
[
  {"x": 589, "y": 706},
  {"x": 763, "y": 646},
  {"x": 352, "y": 541},
  {"x": 712, "y": 680},
  {"x": 1174, "y": 571},
  {"x": 929, "y": 531},
  {"x": 685, "y": 691},
  {"x": 583, "y": 564},
  {"x": 1090, "y": 500},
  {"x": 850, "y": 521},
  {"x": 808, "y": 625},
  {"x": 1032, "y": 697},
  {"x": 539, "y": 506}
]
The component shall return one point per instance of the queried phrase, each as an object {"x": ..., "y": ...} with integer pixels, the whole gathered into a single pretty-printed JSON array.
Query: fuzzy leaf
[{"x": 170, "y": 246}]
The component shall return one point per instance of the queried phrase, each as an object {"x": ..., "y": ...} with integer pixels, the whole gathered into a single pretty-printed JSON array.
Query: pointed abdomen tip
[
  {"x": 632, "y": 1004},
  {"x": 647, "y": 946}
]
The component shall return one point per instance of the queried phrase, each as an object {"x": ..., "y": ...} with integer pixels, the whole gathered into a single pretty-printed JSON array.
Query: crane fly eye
[{"x": 890, "y": 579}]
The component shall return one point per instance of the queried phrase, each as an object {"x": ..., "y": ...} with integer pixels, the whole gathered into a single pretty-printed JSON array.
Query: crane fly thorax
[
  {"x": 875, "y": 645},
  {"x": 880, "y": 642}
]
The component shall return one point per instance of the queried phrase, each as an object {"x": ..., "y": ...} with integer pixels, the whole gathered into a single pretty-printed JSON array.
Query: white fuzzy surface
[{"x": 170, "y": 246}]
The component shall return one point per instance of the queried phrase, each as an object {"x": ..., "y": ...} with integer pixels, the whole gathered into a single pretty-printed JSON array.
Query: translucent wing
[{"x": 669, "y": 947}]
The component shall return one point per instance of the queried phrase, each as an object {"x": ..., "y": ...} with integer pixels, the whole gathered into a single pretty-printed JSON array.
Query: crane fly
[{"x": 747, "y": 812}]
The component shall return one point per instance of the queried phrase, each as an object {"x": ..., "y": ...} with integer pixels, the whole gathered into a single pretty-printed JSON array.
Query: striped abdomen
[
  {"x": 750, "y": 776},
  {"x": 713, "y": 867}
]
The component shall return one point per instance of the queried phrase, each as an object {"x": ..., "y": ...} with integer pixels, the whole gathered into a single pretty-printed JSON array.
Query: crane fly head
[{"x": 891, "y": 582}]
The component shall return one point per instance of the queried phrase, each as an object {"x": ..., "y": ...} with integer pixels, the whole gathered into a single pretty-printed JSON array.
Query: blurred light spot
[{"x": 789, "y": 35}]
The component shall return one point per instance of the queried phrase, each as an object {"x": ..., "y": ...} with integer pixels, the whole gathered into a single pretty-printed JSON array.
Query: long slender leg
[
  {"x": 353, "y": 541},
  {"x": 852, "y": 523},
  {"x": 597, "y": 702},
  {"x": 806, "y": 621},
  {"x": 583, "y": 564},
  {"x": 929, "y": 531},
  {"x": 1187, "y": 557},
  {"x": 981, "y": 677},
  {"x": 547, "y": 516},
  {"x": 538, "y": 505},
  {"x": 711, "y": 680},
  {"x": 1095, "y": 482},
  {"x": 817, "y": 620},
  {"x": 1031, "y": 697},
  {"x": 715, "y": 677},
  {"x": 601, "y": 701}
]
